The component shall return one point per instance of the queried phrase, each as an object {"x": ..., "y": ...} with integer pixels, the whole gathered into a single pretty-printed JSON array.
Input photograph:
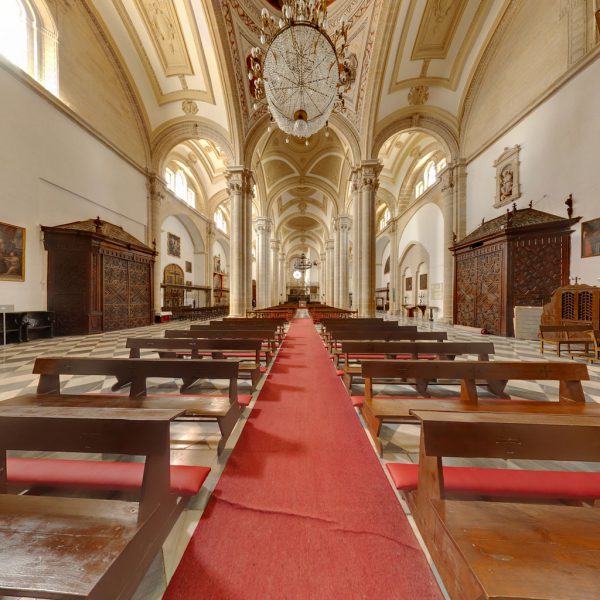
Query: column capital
[
  {"x": 343, "y": 223},
  {"x": 329, "y": 244},
  {"x": 275, "y": 245},
  {"x": 239, "y": 180},
  {"x": 263, "y": 225},
  {"x": 156, "y": 187},
  {"x": 369, "y": 174}
]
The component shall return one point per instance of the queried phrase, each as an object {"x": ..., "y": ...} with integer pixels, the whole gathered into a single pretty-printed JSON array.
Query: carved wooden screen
[{"x": 116, "y": 293}]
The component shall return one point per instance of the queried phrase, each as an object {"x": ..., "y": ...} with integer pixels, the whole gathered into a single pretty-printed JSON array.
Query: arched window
[
  {"x": 177, "y": 182},
  {"x": 441, "y": 165},
  {"x": 220, "y": 221},
  {"x": 419, "y": 189},
  {"x": 430, "y": 175},
  {"x": 29, "y": 40},
  {"x": 385, "y": 219}
]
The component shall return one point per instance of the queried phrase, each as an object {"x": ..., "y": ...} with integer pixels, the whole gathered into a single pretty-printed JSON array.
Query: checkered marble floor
[{"x": 195, "y": 443}]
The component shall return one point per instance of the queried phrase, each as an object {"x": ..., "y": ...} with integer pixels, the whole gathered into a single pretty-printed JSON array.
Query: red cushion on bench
[
  {"x": 568, "y": 485},
  {"x": 263, "y": 369},
  {"x": 239, "y": 354},
  {"x": 368, "y": 356},
  {"x": 95, "y": 474},
  {"x": 357, "y": 400},
  {"x": 339, "y": 372},
  {"x": 244, "y": 399}
]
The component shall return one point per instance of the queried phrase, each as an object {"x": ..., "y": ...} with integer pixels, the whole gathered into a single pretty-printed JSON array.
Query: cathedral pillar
[
  {"x": 354, "y": 191},
  {"x": 322, "y": 277},
  {"x": 394, "y": 304},
  {"x": 239, "y": 186},
  {"x": 329, "y": 265},
  {"x": 275, "y": 276},
  {"x": 282, "y": 278},
  {"x": 342, "y": 227},
  {"x": 209, "y": 266},
  {"x": 448, "y": 212},
  {"x": 156, "y": 191},
  {"x": 263, "y": 228},
  {"x": 369, "y": 183}
]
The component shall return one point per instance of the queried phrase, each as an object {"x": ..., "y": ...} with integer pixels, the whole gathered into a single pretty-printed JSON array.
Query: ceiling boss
[{"x": 304, "y": 72}]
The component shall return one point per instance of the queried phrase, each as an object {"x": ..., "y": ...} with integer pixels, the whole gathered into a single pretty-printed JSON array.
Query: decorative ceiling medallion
[
  {"x": 418, "y": 95},
  {"x": 304, "y": 72},
  {"x": 189, "y": 107}
]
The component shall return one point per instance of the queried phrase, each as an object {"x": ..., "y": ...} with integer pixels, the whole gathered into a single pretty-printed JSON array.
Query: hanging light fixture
[
  {"x": 304, "y": 72},
  {"x": 302, "y": 263}
]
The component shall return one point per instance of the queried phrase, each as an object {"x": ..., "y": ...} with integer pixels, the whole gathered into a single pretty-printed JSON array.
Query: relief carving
[{"x": 507, "y": 177}]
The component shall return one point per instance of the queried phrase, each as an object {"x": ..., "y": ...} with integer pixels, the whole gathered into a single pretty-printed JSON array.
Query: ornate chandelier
[
  {"x": 302, "y": 263},
  {"x": 304, "y": 72}
]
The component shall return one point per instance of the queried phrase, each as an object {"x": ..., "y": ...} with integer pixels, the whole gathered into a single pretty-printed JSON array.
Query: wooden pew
[
  {"x": 268, "y": 326},
  {"x": 353, "y": 353},
  {"x": 195, "y": 348},
  {"x": 511, "y": 550},
  {"x": 65, "y": 547},
  {"x": 380, "y": 335},
  {"x": 565, "y": 335},
  {"x": 269, "y": 337},
  {"x": 376, "y": 411},
  {"x": 225, "y": 410}
]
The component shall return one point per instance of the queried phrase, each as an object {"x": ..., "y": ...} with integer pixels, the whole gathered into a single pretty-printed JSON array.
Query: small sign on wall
[{"x": 437, "y": 291}]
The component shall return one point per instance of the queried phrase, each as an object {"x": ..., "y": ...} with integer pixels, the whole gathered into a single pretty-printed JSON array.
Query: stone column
[
  {"x": 156, "y": 193},
  {"x": 448, "y": 212},
  {"x": 322, "y": 276},
  {"x": 354, "y": 190},
  {"x": 282, "y": 278},
  {"x": 369, "y": 182},
  {"x": 239, "y": 186},
  {"x": 342, "y": 225},
  {"x": 275, "y": 279},
  {"x": 263, "y": 228},
  {"x": 329, "y": 265},
  {"x": 394, "y": 291}
]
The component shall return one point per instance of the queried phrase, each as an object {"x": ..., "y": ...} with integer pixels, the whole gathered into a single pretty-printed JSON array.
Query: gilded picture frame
[
  {"x": 173, "y": 245},
  {"x": 12, "y": 252},
  {"x": 590, "y": 238}
]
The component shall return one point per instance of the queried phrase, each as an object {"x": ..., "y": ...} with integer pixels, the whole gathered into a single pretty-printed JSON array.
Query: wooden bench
[
  {"x": 268, "y": 338},
  {"x": 248, "y": 352},
  {"x": 592, "y": 354},
  {"x": 376, "y": 411},
  {"x": 353, "y": 353},
  {"x": 511, "y": 550},
  {"x": 380, "y": 335},
  {"x": 66, "y": 547},
  {"x": 225, "y": 410},
  {"x": 268, "y": 326},
  {"x": 565, "y": 335}
]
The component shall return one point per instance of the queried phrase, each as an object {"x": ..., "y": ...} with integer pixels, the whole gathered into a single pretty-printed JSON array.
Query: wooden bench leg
[
  {"x": 255, "y": 375},
  {"x": 497, "y": 387},
  {"x": 227, "y": 423},
  {"x": 421, "y": 387},
  {"x": 120, "y": 384},
  {"x": 373, "y": 424},
  {"x": 347, "y": 380},
  {"x": 187, "y": 384}
]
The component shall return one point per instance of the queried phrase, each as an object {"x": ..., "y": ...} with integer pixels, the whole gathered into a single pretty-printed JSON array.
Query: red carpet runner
[{"x": 303, "y": 509}]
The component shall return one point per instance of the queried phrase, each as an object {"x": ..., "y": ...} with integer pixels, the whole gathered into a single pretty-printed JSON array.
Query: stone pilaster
[
  {"x": 343, "y": 224},
  {"x": 394, "y": 291},
  {"x": 448, "y": 212},
  {"x": 369, "y": 183},
  {"x": 282, "y": 278},
  {"x": 329, "y": 265},
  {"x": 263, "y": 227},
  {"x": 322, "y": 276},
  {"x": 156, "y": 193},
  {"x": 354, "y": 190},
  {"x": 239, "y": 186},
  {"x": 274, "y": 277}
]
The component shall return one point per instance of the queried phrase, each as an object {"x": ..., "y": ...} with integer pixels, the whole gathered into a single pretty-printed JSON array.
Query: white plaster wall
[
  {"x": 220, "y": 250},
  {"x": 560, "y": 150},
  {"x": 427, "y": 228},
  {"x": 54, "y": 172},
  {"x": 176, "y": 227},
  {"x": 384, "y": 278}
]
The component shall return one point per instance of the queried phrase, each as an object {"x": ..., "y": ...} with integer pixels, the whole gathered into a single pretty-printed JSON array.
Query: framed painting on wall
[
  {"x": 12, "y": 252},
  {"x": 423, "y": 281},
  {"x": 590, "y": 238},
  {"x": 188, "y": 266},
  {"x": 408, "y": 284},
  {"x": 173, "y": 245}
]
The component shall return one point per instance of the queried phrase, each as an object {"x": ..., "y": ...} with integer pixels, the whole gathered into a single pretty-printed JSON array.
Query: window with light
[
  {"x": 385, "y": 219},
  {"x": 29, "y": 40},
  {"x": 220, "y": 221},
  {"x": 177, "y": 182}
]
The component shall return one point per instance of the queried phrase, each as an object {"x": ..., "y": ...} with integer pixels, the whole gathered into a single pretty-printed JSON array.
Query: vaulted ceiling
[{"x": 187, "y": 63}]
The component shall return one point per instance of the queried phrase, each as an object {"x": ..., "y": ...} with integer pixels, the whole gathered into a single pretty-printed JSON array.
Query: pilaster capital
[
  {"x": 156, "y": 188},
  {"x": 275, "y": 245},
  {"x": 329, "y": 244},
  {"x": 355, "y": 179},
  {"x": 343, "y": 223},
  {"x": 263, "y": 225},
  {"x": 369, "y": 174},
  {"x": 239, "y": 181}
]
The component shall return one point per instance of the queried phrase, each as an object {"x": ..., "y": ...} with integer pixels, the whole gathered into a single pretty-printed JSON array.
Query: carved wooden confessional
[
  {"x": 517, "y": 259},
  {"x": 99, "y": 278}
]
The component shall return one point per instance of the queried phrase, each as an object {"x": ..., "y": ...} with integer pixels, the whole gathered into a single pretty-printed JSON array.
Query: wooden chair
[
  {"x": 376, "y": 411},
  {"x": 248, "y": 352},
  {"x": 353, "y": 353},
  {"x": 565, "y": 335},
  {"x": 65, "y": 547},
  {"x": 511, "y": 550},
  {"x": 225, "y": 410}
]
